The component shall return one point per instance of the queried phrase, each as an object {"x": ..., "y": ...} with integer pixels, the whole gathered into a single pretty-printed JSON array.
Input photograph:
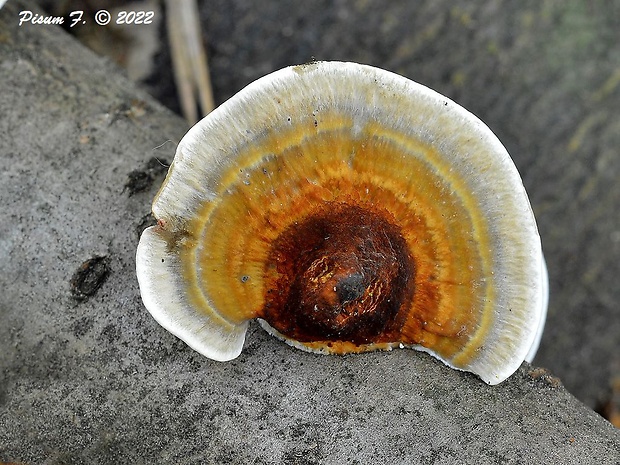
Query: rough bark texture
[{"x": 87, "y": 376}]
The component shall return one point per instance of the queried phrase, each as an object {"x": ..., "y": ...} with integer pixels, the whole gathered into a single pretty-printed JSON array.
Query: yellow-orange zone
[{"x": 279, "y": 180}]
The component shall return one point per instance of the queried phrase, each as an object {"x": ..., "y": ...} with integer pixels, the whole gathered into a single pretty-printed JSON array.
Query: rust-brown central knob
[{"x": 342, "y": 274}]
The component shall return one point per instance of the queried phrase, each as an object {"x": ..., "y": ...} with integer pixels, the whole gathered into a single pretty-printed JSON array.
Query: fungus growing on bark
[{"x": 348, "y": 209}]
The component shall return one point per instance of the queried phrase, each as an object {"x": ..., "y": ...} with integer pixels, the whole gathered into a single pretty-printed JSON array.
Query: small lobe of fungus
[
  {"x": 544, "y": 375},
  {"x": 341, "y": 274},
  {"x": 89, "y": 277}
]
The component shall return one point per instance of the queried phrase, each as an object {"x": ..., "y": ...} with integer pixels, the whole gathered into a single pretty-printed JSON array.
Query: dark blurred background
[{"x": 543, "y": 75}]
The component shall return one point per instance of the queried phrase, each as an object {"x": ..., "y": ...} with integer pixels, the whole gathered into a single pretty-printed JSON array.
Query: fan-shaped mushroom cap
[{"x": 350, "y": 209}]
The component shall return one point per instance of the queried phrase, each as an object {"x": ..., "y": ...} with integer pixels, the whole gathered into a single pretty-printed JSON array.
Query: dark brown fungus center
[{"x": 343, "y": 273}]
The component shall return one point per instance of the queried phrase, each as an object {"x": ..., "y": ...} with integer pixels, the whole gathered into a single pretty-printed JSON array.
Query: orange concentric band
[{"x": 281, "y": 178}]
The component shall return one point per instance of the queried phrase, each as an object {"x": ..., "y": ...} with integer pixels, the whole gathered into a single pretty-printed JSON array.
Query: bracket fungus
[{"x": 349, "y": 209}]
